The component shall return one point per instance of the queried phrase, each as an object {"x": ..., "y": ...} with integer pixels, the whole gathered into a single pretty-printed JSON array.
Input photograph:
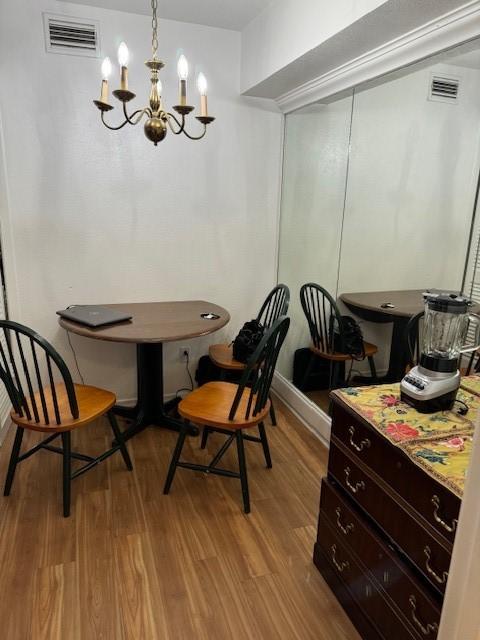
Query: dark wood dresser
[{"x": 385, "y": 532}]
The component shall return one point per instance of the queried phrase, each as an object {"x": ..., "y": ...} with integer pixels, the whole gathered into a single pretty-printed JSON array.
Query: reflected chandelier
[{"x": 157, "y": 118}]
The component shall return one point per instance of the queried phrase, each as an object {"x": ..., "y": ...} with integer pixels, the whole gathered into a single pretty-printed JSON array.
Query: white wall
[
  {"x": 315, "y": 165},
  {"x": 96, "y": 216}
]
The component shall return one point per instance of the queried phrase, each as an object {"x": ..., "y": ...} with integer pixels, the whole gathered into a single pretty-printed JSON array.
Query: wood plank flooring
[{"x": 132, "y": 564}]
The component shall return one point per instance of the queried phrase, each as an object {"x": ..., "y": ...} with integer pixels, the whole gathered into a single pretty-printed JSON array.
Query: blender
[{"x": 432, "y": 385}]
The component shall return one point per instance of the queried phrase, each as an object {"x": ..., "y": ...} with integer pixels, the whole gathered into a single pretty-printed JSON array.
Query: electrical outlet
[{"x": 184, "y": 353}]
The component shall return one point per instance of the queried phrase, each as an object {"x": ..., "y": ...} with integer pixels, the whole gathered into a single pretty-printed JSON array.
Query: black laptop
[{"x": 93, "y": 316}]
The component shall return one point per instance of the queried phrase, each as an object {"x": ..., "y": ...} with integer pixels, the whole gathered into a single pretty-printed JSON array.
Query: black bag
[
  {"x": 352, "y": 342},
  {"x": 206, "y": 371},
  {"x": 247, "y": 340},
  {"x": 320, "y": 373}
]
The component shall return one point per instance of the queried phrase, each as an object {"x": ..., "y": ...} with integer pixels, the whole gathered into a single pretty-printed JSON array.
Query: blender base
[{"x": 432, "y": 405}]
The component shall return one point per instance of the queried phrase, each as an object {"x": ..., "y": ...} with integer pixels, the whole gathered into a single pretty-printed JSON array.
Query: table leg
[
  {"x": 398, "y": 356},
  {"x": 150, "y": 409}
]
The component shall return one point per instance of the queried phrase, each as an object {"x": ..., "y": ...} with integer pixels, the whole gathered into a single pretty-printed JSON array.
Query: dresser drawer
[
  {"x": 426, "y": 551},
  {"x": 363, "y": 590},
  {"x": 406, "y": 592},
  {"x": 439, "y": 506}
]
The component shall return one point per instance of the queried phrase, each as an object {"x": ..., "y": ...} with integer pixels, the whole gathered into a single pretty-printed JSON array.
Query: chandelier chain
[{"x": 154, "y": 29}]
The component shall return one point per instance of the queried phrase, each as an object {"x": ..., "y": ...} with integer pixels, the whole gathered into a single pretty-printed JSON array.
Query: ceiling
[{"x": 226, "y": 14}]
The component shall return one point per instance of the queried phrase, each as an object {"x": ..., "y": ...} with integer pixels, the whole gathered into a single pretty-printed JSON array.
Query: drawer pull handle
[
  {"x": 354, "y": 488},
  {"x": 341, "y": 566},
  {"x": 344, "y": 529},
  {"x": 364, "y": 444},
  {"x": 450, "y": 528},
  {"x": 425, "y": 629},
  {"x": 441, "y": 580}
]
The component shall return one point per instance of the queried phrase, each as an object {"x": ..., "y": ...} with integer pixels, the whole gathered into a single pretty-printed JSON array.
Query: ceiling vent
[
  {"x": 443, "y": 89},
  {"x": 74, "y": 36}
]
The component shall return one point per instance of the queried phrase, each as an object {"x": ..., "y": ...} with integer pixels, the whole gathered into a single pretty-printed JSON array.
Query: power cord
[
  {"x": 187, "y": 367},
  {"x": 75, "y": 357},
  {"x": 463, "y": 409}
]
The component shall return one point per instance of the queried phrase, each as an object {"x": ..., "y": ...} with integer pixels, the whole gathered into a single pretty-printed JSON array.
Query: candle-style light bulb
[
  {"x": 202, "y": 88},
  {"x": 123, "y": 57},
  {"x": 182, "y": 70},
  {"x": 106, "y": 71},
  {"x": 182, "y": 67},
  {"x": 106, "y": 68},
  {"x": 202, "y": 84}
]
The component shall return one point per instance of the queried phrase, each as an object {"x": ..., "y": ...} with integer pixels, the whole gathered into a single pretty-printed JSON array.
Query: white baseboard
[{"x": 310, "y": 414}]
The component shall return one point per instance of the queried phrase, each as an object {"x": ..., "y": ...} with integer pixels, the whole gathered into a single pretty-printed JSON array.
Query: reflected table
[
  {"x": 152, "y": 324},
  {"x": 372, "y": 306}
]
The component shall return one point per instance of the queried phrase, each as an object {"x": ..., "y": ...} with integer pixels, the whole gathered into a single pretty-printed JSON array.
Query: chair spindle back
[
  {"x": 21, "y": 366},
  {"x": 258, "y": 374},
  {"x": 275, "y": 305},
  {"x": 321, "y": 310}
]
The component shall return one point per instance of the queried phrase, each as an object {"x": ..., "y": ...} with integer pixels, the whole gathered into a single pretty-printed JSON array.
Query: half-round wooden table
[{"x": 152, "y": 324}]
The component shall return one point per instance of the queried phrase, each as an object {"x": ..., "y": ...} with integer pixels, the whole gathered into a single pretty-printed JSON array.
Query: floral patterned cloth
[
  {"x": 471, "y": 384},
  {"x": 438, "y": 442}
]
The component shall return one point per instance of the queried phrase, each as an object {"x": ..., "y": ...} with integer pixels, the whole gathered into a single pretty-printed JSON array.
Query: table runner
[{"x": 440, "y": 443}]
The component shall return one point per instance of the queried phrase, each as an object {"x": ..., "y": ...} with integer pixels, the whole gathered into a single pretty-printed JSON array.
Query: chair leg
[
  {"x": 13, "y": 460},
  {"x": 67, "y": 472},
  {"x": 176, "y": 457},
  {"x": 273, "y": 417},
  {"x": 266, "y": 448},
  {"x": 373, "y": 369},
  {"x": 206, "y": 432},
  {"x": 243, "y": 471},
  {"x": 119, "y": 440}
]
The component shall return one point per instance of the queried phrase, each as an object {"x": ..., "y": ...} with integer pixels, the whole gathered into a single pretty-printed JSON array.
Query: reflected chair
[
  {"x": 274, "y": 306},
  {"x": 320, "y": 310},
  {"x": 27, "y": 361},
  {"x": 229, "y": 408}
]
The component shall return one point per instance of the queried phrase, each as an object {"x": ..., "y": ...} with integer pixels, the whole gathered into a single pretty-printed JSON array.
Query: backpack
[
  {"x": 352, "y": 338},
  {"x": 247, "y": 340}
]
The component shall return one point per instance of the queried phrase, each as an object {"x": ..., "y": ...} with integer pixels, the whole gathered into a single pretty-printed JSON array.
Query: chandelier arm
[
  {"x": 142, "y": 112},
  {"x": 196, "y": 137},
  {"x": 181, "y": 124},
  {"x": 113, "y": 128}
]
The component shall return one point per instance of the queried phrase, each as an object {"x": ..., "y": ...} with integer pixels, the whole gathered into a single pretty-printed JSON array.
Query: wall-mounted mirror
[{"x": 379, "y": 194}]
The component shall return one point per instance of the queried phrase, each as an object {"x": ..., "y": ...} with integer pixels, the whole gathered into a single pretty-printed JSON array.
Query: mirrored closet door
[{"x": 378, "y": 200}]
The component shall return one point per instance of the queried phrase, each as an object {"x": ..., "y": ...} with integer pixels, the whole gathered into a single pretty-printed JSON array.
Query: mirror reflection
[{"x": 378, "y": 202}]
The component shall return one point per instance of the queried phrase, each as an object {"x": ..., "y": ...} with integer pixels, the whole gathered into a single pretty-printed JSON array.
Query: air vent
[
  {"x": 443, "y": 89},
  {"x": 74, "y": 36}
]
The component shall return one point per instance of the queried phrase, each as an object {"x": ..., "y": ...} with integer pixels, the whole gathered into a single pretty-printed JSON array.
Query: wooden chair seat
[
  {"x": 222, "y": 356},
  {"x": 370, "y": 350},
  {"x": 92, "y": 403},
  {"x": 210, "y": 405}
]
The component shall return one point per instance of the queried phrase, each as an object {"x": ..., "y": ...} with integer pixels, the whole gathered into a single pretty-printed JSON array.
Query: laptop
[{"x": 93, "y": 316}]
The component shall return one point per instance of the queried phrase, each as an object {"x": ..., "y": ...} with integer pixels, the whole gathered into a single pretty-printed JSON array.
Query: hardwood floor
[{"x": 131, "y": 563}]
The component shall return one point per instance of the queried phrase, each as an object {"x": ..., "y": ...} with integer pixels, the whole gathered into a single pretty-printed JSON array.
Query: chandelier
[{"x": 158, "y": 120}]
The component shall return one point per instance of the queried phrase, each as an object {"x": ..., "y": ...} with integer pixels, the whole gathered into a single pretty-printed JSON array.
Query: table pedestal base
[{"x": 150, "y": 409}]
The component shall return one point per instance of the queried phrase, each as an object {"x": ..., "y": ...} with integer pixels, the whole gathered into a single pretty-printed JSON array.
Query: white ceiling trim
[{"x": 460, "y": 25}]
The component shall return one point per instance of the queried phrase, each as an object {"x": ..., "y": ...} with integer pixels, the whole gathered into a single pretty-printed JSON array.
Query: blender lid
[{"x": 447, "y": 301}]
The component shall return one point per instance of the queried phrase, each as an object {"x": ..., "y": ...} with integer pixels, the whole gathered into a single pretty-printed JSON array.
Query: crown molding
[{"x": 451, "y": 29}]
